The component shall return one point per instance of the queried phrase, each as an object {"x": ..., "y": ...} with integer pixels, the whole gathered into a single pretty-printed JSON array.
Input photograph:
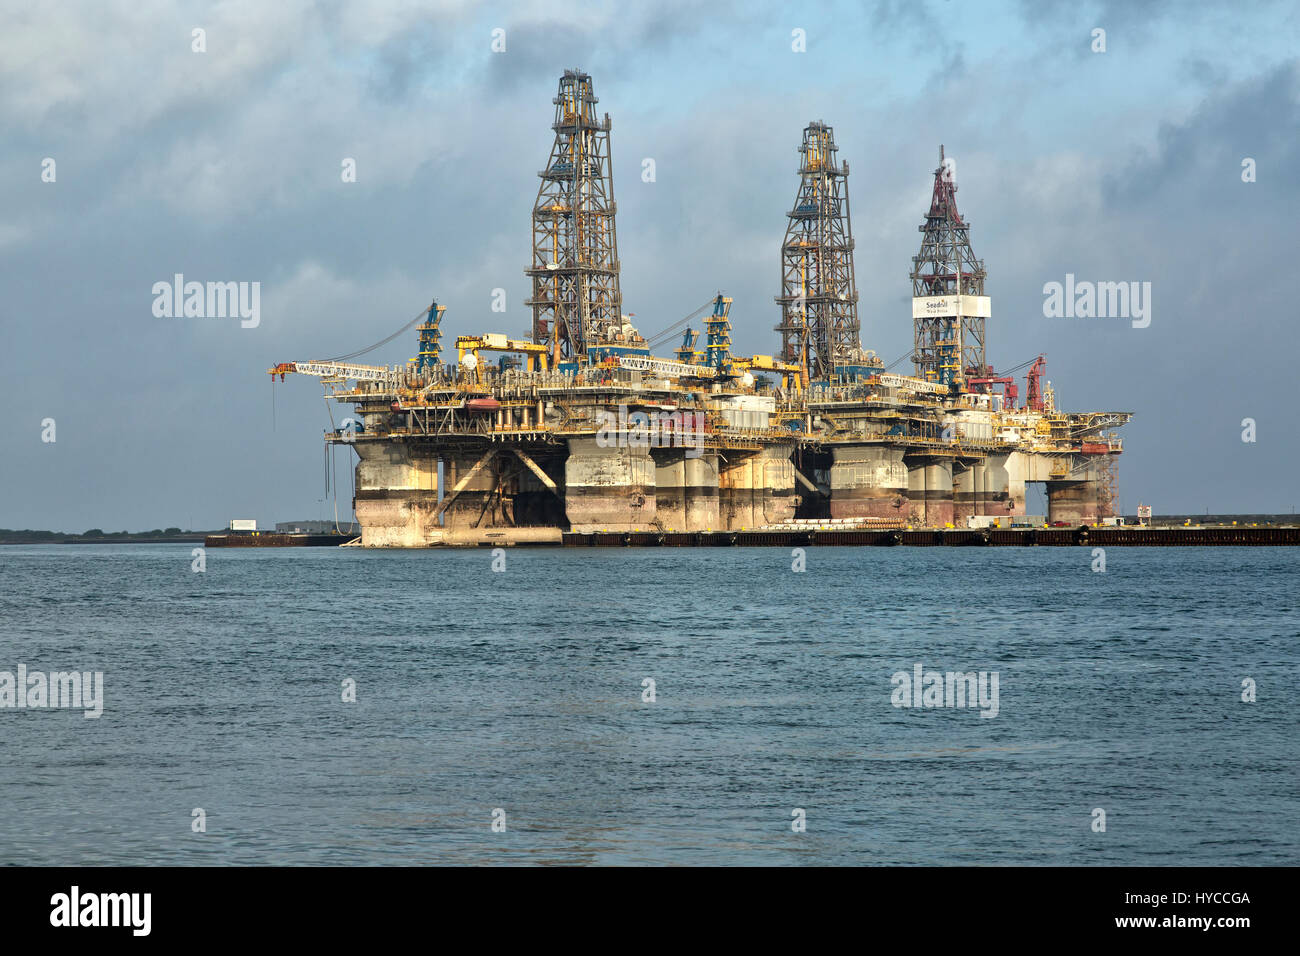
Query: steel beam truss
[
  {"x": 819, "y": 296},
  {"x": 575, "y": 253},
  {"x": 946, "y": 346}
]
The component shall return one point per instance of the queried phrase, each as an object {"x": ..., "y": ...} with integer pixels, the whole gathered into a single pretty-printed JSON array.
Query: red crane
[
  {"x": 1034, "y": 377},
  {"x": 983, "y": 378}
]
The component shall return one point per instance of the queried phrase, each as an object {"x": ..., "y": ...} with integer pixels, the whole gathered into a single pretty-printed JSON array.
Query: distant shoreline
[{"x": 58, "y": 537}]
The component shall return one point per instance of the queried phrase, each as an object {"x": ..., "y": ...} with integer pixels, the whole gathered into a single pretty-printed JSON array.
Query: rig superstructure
[
  {"x": 819, "y": 327},
  {"x": 581, "y": 428}
]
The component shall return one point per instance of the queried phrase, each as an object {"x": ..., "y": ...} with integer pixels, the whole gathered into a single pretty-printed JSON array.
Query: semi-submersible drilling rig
[{"x": 582, "y": 428}]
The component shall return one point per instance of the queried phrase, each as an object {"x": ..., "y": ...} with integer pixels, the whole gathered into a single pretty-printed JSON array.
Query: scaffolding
[
  {"x": 819, "y": 297},
  {"x": 575, "y": 268},
  {"x": 1107, "y": 478},
  {"x": 948, "y": 304}
]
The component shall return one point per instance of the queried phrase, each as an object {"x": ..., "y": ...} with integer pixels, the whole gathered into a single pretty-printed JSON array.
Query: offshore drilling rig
[{"x": 581, "y": 428}]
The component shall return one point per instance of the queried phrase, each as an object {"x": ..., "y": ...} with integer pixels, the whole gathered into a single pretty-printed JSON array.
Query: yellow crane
[
  {"x": 535, "y": 355},
  {"x": 792, "y": 376}
]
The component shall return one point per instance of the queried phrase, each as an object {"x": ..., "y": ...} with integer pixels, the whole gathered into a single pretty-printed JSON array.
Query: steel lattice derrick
[
  {"x": 575, "y": 253},
  {"x": 819, "y": 297},
  {"x": 947, "y": 347}
]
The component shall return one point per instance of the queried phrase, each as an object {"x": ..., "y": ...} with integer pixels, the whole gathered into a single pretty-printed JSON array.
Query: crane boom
[{"x": 360, "y": 373}]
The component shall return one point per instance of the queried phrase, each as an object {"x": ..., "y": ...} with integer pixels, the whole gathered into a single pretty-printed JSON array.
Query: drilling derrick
[
  {"x": 948, "y": 301},
  {"x": 819, "y": 297},
  {"x": 575, "y": 255}
]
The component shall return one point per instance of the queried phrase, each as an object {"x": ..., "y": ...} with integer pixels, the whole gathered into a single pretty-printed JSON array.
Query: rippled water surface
[{"x": 522, "y": 690}]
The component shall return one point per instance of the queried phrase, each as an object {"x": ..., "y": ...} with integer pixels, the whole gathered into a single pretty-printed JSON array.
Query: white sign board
[{"x": 975, "y": 306}]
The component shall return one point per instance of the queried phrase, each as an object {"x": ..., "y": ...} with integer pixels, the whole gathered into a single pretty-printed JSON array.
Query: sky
[{"x": 225, "y": 165}]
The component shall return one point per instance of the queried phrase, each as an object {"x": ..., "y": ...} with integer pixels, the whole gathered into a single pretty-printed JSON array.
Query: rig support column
[
  {"x": 670, "y": 488},
  {"x": 738, "y": 486},
  {"x": 1074, "y": 502},
  {"x": 868, "y": 481},
  {"x": 396, "y": 496},
  {"x": 965, "y": 501},
  {"x": 686, "y": 490},
  {"x": 929, "y": 488},
  {"x": 608, "y": 489},
  {"x": 778, "y": 483},
  {"x": 756, "y": 488},
  {"x": 1000, "y": 485},
  {"x": 701, "y": 488}
]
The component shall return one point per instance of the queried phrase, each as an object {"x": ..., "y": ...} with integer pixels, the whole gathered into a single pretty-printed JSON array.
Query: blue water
[{"x": 522, "y": 690}]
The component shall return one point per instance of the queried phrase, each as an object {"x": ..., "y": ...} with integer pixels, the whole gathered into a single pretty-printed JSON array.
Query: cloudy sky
[{"x": 224, "y": 165}]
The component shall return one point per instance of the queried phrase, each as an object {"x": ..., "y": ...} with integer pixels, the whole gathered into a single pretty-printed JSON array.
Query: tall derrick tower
[
  {"x": 948, "y": 301},
  {"x": 575, "y": 254},
  {"x": 819, "y": 296}
]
